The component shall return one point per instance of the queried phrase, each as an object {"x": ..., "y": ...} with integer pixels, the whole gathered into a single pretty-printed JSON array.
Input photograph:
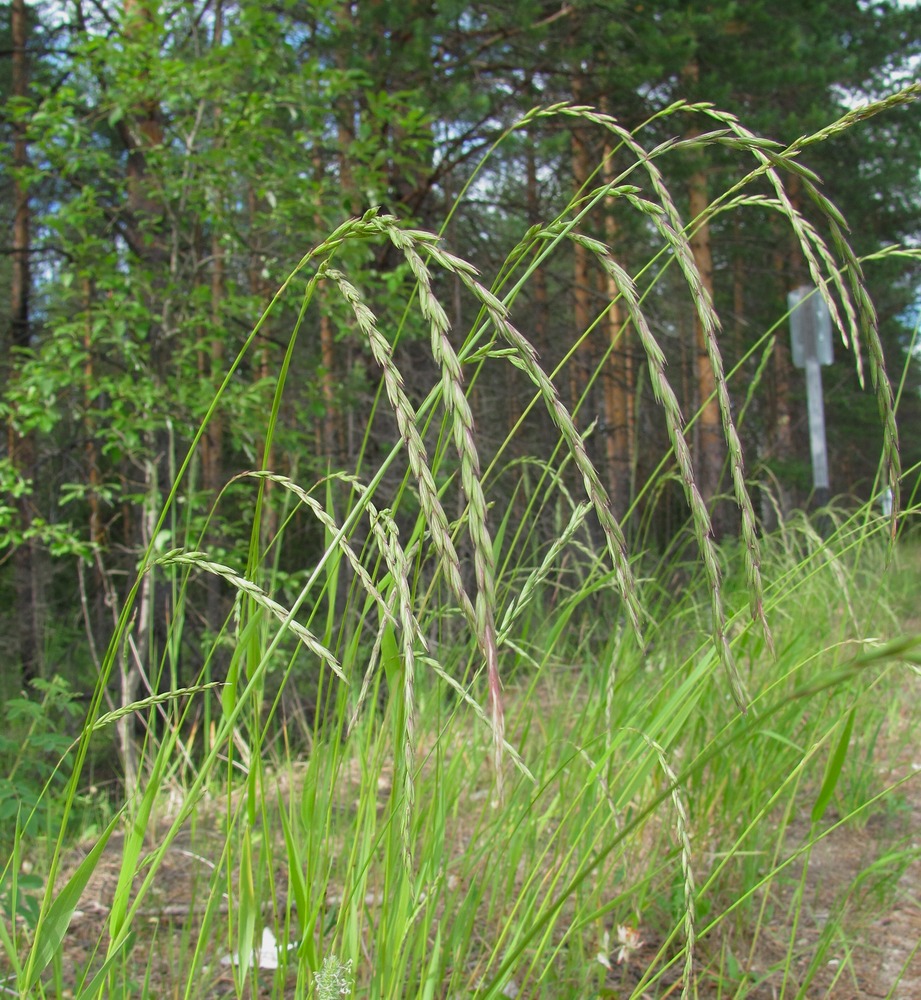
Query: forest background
[{"x": 165, "y": 167}]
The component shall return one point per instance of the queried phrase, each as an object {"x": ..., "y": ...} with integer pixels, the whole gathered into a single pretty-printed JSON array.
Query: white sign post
[{"x": 810, "y": 332}]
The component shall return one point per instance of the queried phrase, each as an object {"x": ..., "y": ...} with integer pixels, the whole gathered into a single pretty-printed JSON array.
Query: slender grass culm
[{"x": 525, "y": 751}]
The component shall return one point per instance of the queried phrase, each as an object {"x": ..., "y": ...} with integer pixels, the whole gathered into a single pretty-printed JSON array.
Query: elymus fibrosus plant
[
  {"x": 394, "y": 622},
  {"x": 833, "y": 267}
]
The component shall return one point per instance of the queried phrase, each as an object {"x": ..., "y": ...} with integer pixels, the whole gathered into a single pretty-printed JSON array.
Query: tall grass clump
[{"x": 538, "y": 762}]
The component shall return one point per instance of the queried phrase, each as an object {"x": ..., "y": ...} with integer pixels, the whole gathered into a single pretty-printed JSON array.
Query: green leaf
[
  {"x": 298, "y": 884},
  {"x": 433, "y": 973},
  {"x": 391, "y": 660},
  {"x": 50, "y": 932},
  {"x": 131, "y": 853},
  {"x": 833, "y": 771},
  {"x": 295, "y": 874}
]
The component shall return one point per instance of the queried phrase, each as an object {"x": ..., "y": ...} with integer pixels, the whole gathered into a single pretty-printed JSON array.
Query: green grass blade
[
  {"x": 50, "y": 932},
  {"x": 833, "y": 771},
  {"x": 97, "y": 982}
]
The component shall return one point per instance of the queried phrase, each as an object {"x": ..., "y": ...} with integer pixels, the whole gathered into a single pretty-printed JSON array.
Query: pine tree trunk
[
  {"x": 20, "y": 277},
  {"x": 211, "y": 363},
  {"x": 708, "y": 429},
  {"x": 28, "y": 558},
  {"x": 580, "y": 365},
  {"x": 709, "y": 426},
  {"x": 618, "y": 383}
]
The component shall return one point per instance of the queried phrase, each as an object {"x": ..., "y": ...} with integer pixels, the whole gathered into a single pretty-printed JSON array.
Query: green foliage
[{"x": 36, "y": 736}]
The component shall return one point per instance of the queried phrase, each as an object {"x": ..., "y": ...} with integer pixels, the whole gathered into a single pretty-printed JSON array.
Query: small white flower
[
  {"x": 263, "y": 957},
  {"x": 602, "y": 955},
  {"x": 629, "y": 940}
]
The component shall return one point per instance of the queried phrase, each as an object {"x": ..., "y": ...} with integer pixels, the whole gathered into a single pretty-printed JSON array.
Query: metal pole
[{"x": 817, "y": 445}]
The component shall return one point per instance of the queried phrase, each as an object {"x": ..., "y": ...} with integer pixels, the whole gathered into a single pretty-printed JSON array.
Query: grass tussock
[{"x": 488, "y": 749}]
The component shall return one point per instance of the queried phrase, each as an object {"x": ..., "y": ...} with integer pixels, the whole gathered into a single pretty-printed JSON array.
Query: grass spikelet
[
  {"x": 526, "y": 358},
  {"x": 200, "y": 560},
  {"x": 861, "y": 322},
  {"x": 316, "y": 508},
  {"x": 415, "y": 448},
  {"x": 461, "y": 416},
  {"x": 410, "y": 635},
  {"x": 538, "y": 575},
  {"x": 676, "y": 431}
]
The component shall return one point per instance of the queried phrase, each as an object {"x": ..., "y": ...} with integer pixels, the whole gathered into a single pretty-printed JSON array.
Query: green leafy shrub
[{"x": 35, "y": 741}]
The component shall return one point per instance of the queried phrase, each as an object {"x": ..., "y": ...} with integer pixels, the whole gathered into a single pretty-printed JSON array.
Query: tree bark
[
  {"x": 211, "y": 365},
  {"x": 580, "y": 365},
  {"x": 708, "y": 429},
  {"x": 143, "y": 133},
  {"x": 213, "y": 441},
  {"x": 28, "y": 558},
  {"x": 618, "y": 383},
  {"x": 20, "y": 278}
]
